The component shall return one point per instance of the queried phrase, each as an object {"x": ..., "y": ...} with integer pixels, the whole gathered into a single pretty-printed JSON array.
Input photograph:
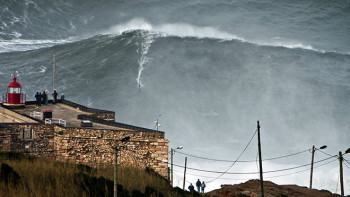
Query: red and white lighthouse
[{"x": 14, "y": 96}]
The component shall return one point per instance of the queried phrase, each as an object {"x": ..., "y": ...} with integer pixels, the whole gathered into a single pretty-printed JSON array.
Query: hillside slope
[{"x": 251, "y": 188}]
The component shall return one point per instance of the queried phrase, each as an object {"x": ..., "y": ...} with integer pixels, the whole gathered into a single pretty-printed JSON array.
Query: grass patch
[{"x": 21, "y": 175}]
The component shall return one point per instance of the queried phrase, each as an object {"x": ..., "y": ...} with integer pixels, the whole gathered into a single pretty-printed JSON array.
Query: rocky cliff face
[{"x": 251, "y": 188}]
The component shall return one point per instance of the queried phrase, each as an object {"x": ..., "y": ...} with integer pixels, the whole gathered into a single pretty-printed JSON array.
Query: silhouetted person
[
  {"x": 62, "y": 96},
  {"x": 198, "y": 184},
  {"x": 54, "y": 95},
  {"x": 203, "y": 186},
  {"x": 46, "y": 97},
  {"x": 191, "y": 188},
  {"x": 37, "y": 98},
  {"x": 40, "y": 98}
]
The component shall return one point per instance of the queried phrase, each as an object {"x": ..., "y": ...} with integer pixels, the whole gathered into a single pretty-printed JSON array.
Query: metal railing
[
  {"x": 35, "y": 114},
  {"x": 22, "y": 98},
  {"x": 55, "y": 121}
]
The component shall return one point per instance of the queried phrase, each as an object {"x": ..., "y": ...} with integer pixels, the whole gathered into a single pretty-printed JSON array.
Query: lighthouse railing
[
  {"x": 23, "y": 98},
  {"x": 4, "y": 98}
]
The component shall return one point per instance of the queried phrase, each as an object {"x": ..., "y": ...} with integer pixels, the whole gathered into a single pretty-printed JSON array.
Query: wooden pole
[
  {"x": 312, "y": 165},
  {"x": 54, "y": 62},
  {"x": 172, "y": 172},
  {"x": 260, "y": 163},
  {"x": 169, "y": 175},
  {"x": 341, "y": 173},
  {"x": 116, "y": 169},
  {"x": 183, "y": 187}
]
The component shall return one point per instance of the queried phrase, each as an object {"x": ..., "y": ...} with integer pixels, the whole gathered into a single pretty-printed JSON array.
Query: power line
[
  {"x": 272, "y": 171},
  {"x": 237, "y": 158},
  {"x": 267, "y": 176},
  {"x": 221, "y": 160},
  {"x": 327, "y": 153},
  {"x": 302, "y": 170},
  {"x": 346, "y": 165}
]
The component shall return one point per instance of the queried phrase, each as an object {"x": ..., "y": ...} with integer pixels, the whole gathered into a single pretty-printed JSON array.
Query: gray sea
[{"x": 208, "y": 70}]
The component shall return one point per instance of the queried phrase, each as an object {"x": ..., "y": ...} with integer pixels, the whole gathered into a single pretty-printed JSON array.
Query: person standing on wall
[
  {"x": 62, "y": 96},
  {"x": 54, "y": 95},
  {"x": 41, "y": 97},
  {"x": 198, "y": 184},
  {"x": 46, "y": 97},
  {"x": 37, "y": 98}
]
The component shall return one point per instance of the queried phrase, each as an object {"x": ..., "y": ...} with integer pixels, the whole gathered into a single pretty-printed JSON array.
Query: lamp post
[
  {"x": 341, "y": 170},
  {"x": 115, "y": 164},
  {"x": 157, "y": 122},
  {"x": 172, "y": 151},
  {"x": 312, "y": 161}
]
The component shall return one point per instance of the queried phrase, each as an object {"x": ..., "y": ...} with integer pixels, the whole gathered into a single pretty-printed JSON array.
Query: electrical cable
[
  {"x": 264, "y": 177},
  {"x": 346, "y": 161},
  {"x": 327, "y": 153},
  {"x": 272, "y": 171},
  {"x": 197, "y": 175},
  {"x": 346, "y": 165},
  {"x": 220, "y": 160},
  {"x": 236, "y": 159},
  {"x": 300, "y": 170}
]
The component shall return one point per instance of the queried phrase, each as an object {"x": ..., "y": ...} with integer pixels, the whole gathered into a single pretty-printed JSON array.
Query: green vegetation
[{"x": 27, "y": 176}]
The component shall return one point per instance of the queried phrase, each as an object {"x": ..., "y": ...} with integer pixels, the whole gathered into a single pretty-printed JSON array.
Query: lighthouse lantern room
[{"x": 14, "y": 96}]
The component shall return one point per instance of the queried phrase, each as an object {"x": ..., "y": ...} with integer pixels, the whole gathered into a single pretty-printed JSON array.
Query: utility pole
[
  {"x": 168, "y": 174},
  {"x": 260, "y": 163},
  {"x": 116, "y": 169},
  {"x": 183, "y": 187},
  {"x": 341, "y": 173},
  {"x": 312, "y": 165},
  {"x": 172, "y": 179},
  {"x": 54, "y": 62}
]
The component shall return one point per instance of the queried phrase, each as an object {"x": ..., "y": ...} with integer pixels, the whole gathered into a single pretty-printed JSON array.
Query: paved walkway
[{"x": 64, "y": 112}]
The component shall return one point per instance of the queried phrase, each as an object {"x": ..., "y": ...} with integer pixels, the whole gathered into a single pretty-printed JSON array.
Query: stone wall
[{"x": 86, "y": 145}]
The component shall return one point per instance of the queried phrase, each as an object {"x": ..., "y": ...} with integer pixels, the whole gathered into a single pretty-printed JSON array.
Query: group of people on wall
[
  {"x": 200, "y": 187},
  {"x": 43, "y": 98}
]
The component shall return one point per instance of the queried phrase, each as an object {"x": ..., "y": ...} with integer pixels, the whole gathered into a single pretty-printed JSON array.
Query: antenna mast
[{"x": 53, "y": 83}]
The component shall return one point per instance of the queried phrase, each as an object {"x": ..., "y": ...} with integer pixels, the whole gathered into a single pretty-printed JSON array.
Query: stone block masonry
[{"x": 87, "y": 145}]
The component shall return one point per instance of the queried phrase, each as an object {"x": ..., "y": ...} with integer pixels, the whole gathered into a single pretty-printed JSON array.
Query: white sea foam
[
  {"x": 188, "y": 30},
  {"x": 286, "y": 43},
  {"x": 25, "y": 45},
  {"x": 174, "y": 29},
  {"x": 143, "y": 50}
]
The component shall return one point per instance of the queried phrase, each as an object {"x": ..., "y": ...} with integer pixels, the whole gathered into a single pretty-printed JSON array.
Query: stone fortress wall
[{"x": 146, "y": 148}]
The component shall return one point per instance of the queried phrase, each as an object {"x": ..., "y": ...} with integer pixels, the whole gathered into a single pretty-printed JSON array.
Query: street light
[
  {"x": 115, "y": 164},
  {"x": 347, "y": 151},
  {"x": 172, "y": 151},
  {"x": 157, "y": 122},
  {"x": 312, "y": 161},
  {"x": 341, "y": 170}
]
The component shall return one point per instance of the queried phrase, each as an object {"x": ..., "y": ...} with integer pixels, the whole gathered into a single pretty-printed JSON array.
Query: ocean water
[{"x": 210, "y": 69}]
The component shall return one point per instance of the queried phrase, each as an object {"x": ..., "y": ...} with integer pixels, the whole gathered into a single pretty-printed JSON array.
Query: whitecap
[
  {"x": 25, "y": 45},
  {"x": 172, "y": 29}
]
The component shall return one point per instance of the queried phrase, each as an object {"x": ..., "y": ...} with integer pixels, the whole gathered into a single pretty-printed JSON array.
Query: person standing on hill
[
  {"x": 198, "y": 184},
  {"x": 191, "y": 188},
  {"x": 203, "y": 186}
]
